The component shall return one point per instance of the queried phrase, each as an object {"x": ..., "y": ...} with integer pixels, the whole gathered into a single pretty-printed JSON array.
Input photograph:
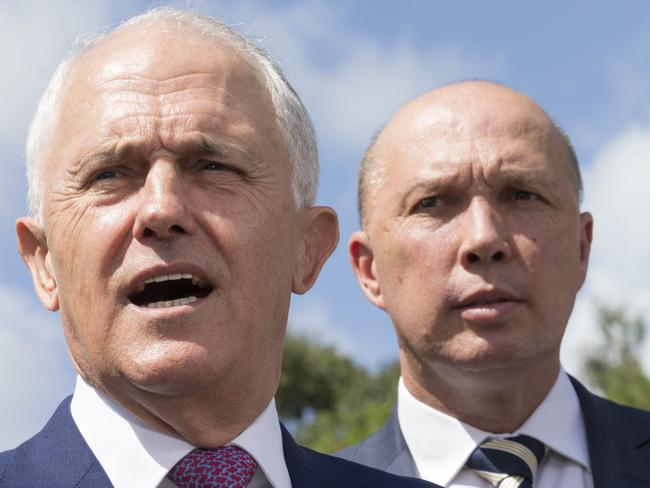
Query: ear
[
  {"x": 320, "y": 233},
  {"x": 586, "y": 235},
  {"x": 365, "y": 267},
  {"x": 32, "y": 246}
]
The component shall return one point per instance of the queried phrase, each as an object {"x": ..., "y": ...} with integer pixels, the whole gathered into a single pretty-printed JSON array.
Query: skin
[
  {"x": 477, "y": 201},
  {"x": 163, "y": 162}
]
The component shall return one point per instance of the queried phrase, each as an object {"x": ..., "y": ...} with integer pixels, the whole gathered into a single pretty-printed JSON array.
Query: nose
[
  {"x": 484, "y": 236},
  {"x": 163, "y": 208}
]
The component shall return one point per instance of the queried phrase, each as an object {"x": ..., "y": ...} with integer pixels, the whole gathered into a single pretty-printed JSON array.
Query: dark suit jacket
[
  {"x": 58, "y": 457},
  {"x": 618, "y": 438}
]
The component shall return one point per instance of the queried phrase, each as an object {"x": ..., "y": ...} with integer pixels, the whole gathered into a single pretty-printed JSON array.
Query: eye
[
  {"x": 213, "y": 165},
  {"x": 523, "y": 195},
  {"x": 219, "y": 167},
  {"x": 426, "y": 203},
  {"x": 106, "y": 175}
]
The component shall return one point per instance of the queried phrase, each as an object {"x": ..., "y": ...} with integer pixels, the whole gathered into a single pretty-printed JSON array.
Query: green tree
[
  {"x": 330, "y": 401},
  {"x": 360, "y": 412},
  {"x": 615, "y": 367},
  {"x": 314, "y": 377}
]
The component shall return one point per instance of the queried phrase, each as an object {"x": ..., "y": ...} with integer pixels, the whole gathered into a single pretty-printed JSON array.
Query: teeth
[
  {"x": 172, "y": 303},
  {"x": 173, "y": 276}
]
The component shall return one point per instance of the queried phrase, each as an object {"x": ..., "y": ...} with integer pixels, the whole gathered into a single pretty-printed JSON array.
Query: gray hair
[{"x": 291, "y": 116}]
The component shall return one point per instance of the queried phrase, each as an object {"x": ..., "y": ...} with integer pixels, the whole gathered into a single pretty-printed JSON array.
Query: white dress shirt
[
  {"x": 134, "y": 454},
  {"x": 440, "y": 444}
]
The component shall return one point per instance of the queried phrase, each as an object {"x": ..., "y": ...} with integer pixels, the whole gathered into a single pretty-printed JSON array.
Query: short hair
[
  {"x": 372, "y": 172},
  {"x": 291, "y": 116}
]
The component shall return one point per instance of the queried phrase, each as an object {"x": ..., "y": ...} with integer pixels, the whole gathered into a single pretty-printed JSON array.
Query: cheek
[
  {"x": 552, "y": 264},
  {"x": 422, "y": 250},
  {"x": 414, "y": 269},
  {"x": 551, "y": 252},
  {"x": 88, "y": 246},
  {"x": 92, "y": 243}
]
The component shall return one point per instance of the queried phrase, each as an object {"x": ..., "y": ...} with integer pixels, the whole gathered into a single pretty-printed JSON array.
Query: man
[
  {"x": 172, "y": 175},
  {"x": 474, "y": 244}
]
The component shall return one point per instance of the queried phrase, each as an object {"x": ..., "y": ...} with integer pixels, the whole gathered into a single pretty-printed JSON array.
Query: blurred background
[{"x": 587, "y": 63}]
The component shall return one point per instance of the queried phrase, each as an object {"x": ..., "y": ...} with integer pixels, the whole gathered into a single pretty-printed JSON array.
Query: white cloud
[
  {"x": 34, "y": 37},
  {"x": 616, "y": 188},
  {"x": 351, "y": 82},
  {"x": 372, "y": 81},
  {"x": 36, "y": 373},
  {"x": 371, "y": 342},
  {"x": 313, "y": 317}
]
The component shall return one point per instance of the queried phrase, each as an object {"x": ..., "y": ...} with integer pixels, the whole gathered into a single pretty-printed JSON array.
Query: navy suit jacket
[
  {"x": 58, "y": 457},
  {"x": 618, "y": 439}
]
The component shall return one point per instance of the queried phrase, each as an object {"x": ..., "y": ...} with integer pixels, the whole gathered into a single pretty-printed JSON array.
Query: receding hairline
[
  {"x": 158, "y": 25},
  {"x": 290, "y": 115},
  {"x": 372, "y": 170}
]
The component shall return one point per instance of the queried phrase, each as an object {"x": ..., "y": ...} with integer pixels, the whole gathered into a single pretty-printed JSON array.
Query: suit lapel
[
  {"x": 397, "y": 457},
  {"x": 297, "y": 462},
  {"x": 61, "y": 455},
  {"x": 302, "y": 471},
  {"x": 309, "y": 468},
  {"x": 618, "y": 443}
]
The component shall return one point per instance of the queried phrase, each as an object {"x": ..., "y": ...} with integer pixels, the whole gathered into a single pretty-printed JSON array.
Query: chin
[
  {"x": 178, "y": 371},
  {"x": 482, "y": 355}
]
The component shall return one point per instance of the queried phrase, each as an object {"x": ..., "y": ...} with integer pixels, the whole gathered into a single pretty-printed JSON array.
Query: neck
[
  {"x": 211, "y": 417},
  {"x": 493, "y": 400}
]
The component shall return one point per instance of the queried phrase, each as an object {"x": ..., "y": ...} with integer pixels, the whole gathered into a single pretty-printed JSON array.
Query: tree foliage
[
  {"x": 615, "y": 366},
  {"x": 330, "y": 400}
]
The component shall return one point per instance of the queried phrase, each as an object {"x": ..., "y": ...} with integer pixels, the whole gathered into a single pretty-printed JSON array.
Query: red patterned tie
[{"x": 223, "y": 467}]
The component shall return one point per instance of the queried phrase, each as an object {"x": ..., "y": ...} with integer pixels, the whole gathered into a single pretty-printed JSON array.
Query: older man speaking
[
  {"x": 474, "y": 244},
  {"x": 172, "y": 172}
]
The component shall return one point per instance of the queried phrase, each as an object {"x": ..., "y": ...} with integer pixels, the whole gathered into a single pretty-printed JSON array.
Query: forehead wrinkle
[
  {"x": 167, "y": 92},
  {"x": 158, "y": 85}
]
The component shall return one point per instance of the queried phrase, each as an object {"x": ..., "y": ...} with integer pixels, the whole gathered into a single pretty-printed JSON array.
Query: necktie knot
[
  {"x": 508, "y": 463},
  {"x": 227, "y": 467}
]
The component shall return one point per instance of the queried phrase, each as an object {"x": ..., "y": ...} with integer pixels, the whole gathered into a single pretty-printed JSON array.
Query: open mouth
[{"x": 170, "y": 290}]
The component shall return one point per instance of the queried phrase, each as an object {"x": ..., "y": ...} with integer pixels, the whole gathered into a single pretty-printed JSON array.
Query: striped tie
[{"x": 508, "y": 463}]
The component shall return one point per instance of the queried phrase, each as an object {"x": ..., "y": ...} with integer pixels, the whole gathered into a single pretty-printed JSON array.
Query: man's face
[
  {"x": 171, "y": 230},
  {"x": 474, "y": 243}
]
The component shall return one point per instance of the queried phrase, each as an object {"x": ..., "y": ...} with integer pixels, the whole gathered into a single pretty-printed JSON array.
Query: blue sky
[{"x": 354, "y": 63}]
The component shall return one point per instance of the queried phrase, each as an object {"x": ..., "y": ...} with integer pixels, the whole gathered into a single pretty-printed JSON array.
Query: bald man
[{"x": 474, "y": 243}]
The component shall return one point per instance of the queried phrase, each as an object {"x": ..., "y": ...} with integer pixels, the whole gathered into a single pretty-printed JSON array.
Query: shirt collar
[
  {"x": 133, "y": 453},
  {"x": 440, "y": 444},
  {"x": 559, "y": 424}
]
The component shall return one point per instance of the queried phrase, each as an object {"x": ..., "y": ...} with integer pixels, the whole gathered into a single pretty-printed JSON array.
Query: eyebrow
[
  {"x": 115, "y": 152},
  {"x": 432, "y": 183},
  {"x": 106, "y": 155},
  {"x": 215, "y": 146},
  {"x": 434, "y": 180},
  {"x": 441, "y": 181}
]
